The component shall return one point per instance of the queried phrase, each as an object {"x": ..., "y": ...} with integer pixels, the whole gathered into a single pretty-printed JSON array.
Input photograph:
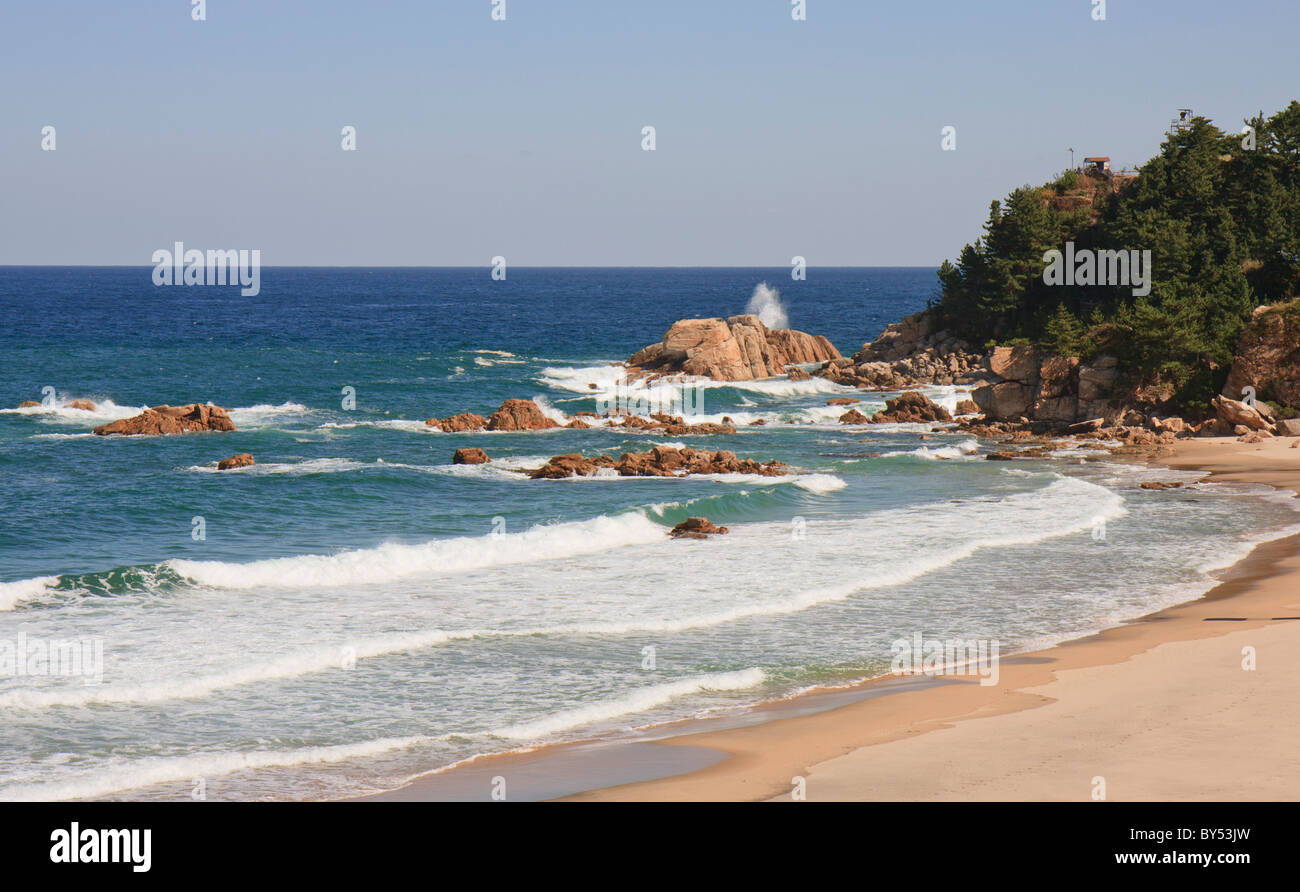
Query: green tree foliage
[{"x": 1222, "y": 222}]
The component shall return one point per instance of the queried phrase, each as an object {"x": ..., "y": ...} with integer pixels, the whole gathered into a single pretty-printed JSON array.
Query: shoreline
[{"x": 884, "y": 738}]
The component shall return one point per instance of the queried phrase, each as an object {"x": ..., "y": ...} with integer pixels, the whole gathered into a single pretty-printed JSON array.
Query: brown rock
[
  {"x": 1233, "y": 413},
  {"x": 1156, "y": 484},
  {"x": 1015, "y": 363},
  {"x": 661, "y": 461},
  {"x": 170, "y": 420},
  {"x": 911, "y": 408},
  {"x": 469, "y": 457},
  {"x": 853, "y": 416},
  {"x": 968, "y": 407},
  {"x": 696, "y": 528},
  {"x": 842, "y": 401},
  {"x": 1268, "y": 356},
  {"x": 740, "y": 348},
  {"x": 28, "y": 404},
  {"x": 798, "y": 374},
  {"x": 243, "y": 460},
  {"x": 455, "y": 424},
  {"x": 519, "y": 415},
  {"x": 83, "y": 405},
  {"x": 578, "y": 425}
]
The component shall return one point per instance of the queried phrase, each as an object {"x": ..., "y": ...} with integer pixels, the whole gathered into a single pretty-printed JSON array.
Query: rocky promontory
[{"x": 739, "y": 348}]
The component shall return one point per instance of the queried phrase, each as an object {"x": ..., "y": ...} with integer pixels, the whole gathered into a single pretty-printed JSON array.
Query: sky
[{"x": 522, "y": 138}]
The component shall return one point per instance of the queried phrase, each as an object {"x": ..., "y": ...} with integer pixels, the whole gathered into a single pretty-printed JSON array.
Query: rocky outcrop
[
  {"x": 853, "y": 416},
  {"x": 469, "y": 457},
  {"x": 907, "y": 353},
  {"x": 1268, "y": 356},
  {"x": 1055, "y": 389},
  {"x": 243, "y": 460},
  {"x": 911, "y": 408},
  {"x": 740, "y": 348},
  {"x": 28, "y": 404},
  {"x": 661, "y": 461},
  {"x": 519, "y": 415},
  {"x": 842, "y": 401},
  {"x": 83, "y": 405},
  {"x": 696, "y": 528},
  {"x": 170, "y": 420},
  {"x": 455, "y": 424}
]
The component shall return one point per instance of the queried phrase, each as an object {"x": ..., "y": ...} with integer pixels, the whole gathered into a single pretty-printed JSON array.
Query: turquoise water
[{"x": 359, "y": 609}]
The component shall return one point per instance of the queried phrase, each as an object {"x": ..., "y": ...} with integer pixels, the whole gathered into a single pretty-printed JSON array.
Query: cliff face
[
  {"x": 739, "y": 348},
  {"x": 1268, "y": 356}
]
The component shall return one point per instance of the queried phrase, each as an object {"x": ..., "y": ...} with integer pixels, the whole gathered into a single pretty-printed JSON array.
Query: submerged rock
[{"x": 696, "y": 528}]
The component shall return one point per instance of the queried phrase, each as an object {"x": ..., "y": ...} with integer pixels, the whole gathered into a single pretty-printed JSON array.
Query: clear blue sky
[{"x": 523, "y": 138}]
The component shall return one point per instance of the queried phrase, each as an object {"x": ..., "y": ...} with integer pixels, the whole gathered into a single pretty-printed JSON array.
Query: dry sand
[{"x": 1161, "y": 709}]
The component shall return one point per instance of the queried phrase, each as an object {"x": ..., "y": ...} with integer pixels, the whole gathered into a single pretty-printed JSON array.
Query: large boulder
[
  {"x": 1018, "y": 363},
  {"x": 519, "y": 415},
  {"x": 1010, "y": 399},
  {"x": 170, "y": 420},
  {"x": 243, "y": 460},
  {"x": 1233, "y": 412},
  {"x": 469, "y": 457},
  {"x": 740, "y": 348},
  {"x": 911, "y": 408}
]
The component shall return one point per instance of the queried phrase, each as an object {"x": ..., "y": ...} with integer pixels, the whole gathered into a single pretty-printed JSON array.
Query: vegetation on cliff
[{"x": 1221, "y": 220}]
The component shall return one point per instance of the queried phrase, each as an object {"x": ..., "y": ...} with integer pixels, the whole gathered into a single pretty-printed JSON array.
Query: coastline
[{"x": 1159, "y": 707}]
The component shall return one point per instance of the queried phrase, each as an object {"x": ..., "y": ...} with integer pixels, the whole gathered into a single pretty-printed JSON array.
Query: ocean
[{"x": 355, "y": 609}]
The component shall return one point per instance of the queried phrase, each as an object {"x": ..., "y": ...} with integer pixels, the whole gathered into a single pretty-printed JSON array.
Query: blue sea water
[{"x": 358, "y": 609}]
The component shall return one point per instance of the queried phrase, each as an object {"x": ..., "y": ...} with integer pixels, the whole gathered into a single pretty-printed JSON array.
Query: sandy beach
[{"x": 1159, "y": 709}]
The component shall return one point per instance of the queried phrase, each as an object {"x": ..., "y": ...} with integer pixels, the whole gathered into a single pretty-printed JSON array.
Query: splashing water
[{"x": 765, "y": 303}]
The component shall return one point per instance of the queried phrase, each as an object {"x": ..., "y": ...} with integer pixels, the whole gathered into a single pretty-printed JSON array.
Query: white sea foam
[
  {"x": 393, "y": 561},
  {"x": 105, "y": 411},
  {"x": 119, "y": 774},
  {"x": 13, "y": 592},
  {"x": 964, "y": 449},
  {"x": 262, "y": 415},
  {"x": 640, "y": 700}
]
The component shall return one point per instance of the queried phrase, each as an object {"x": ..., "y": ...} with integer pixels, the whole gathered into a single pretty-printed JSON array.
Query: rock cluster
[
  {"x": 170, "y": 420},
  {"x": 911, "y": 408},
  {"x": 739, "y": 348},
  {"x": 513, "y": 415},
  {"x": 661, "y": 461}
]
